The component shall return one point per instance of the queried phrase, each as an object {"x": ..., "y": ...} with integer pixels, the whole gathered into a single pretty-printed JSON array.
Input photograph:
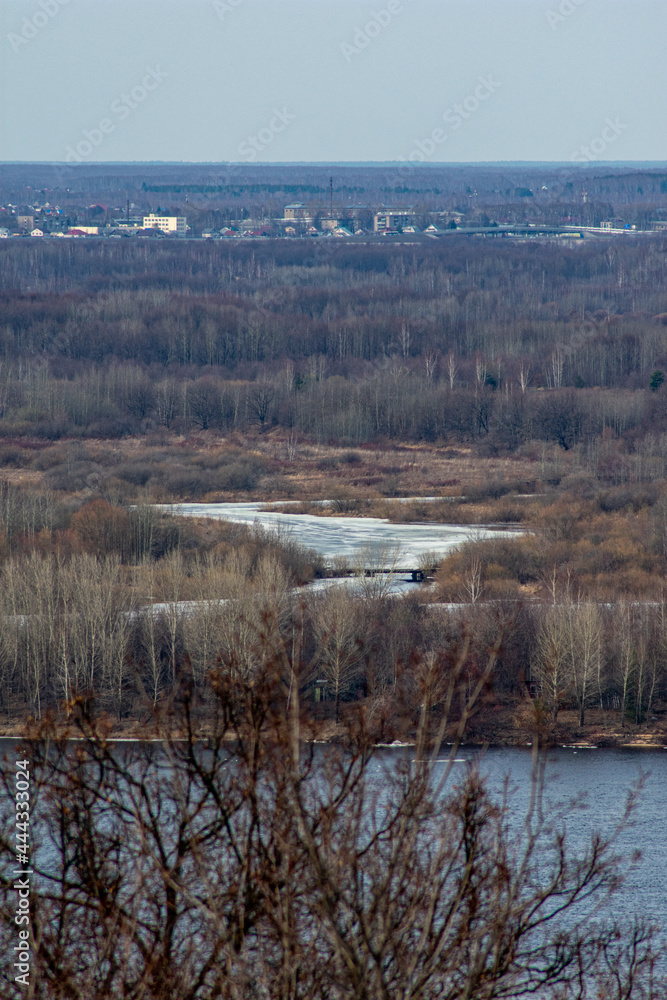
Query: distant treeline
[
  {"x": 588, "y": 191},
  {"x": 237, "y": 189},
  {"x": 465, "y": 341}
]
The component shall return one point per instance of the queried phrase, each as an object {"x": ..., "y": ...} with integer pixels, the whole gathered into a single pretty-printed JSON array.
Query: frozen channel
[{"x": 349, "y": 537}]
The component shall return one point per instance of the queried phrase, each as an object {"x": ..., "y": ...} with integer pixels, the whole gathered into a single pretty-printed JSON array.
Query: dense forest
[
  {"x": 349, "y": 344},
  {"x": 521, "y": 382}
]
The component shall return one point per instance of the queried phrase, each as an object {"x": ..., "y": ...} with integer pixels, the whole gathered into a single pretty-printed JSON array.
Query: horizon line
[{"x": 342, "y": 163}]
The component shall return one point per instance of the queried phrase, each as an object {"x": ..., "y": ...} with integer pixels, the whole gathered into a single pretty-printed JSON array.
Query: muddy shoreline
[{"x": 602, "y": 732}]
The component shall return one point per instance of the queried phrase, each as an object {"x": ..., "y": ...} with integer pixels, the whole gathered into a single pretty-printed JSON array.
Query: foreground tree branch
[{"x": 255, "y": 863}]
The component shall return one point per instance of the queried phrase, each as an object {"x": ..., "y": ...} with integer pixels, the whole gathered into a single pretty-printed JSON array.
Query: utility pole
[{"x": 331, "y": 197}]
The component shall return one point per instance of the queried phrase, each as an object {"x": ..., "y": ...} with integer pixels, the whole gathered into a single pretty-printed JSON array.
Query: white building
[
  {"x": 167, "y": 223},
  {"x": 392, "y": 220},
  {"x": 132, "y": 223}
]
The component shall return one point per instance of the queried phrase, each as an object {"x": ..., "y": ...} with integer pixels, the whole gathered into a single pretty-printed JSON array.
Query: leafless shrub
[{"x": 250, "y": 863}]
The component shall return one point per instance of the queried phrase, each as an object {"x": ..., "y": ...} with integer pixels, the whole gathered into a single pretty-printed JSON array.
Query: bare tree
[
  {"x": 340, "y": 640},
  {"x": 405, "y": 339},
  {"x": 259, "y": 400},
  {"x": 645, "y": 663},
  {"x": 584, "y": 634},
  {"x": 203, "y": 401},
  {"x": 481, "y": 370},
  {"x": 376, "y": 565},
  {"x": 431, "y": 361},
  {"x": 625, "y": 652},
  {"x": 551, "y": 661},
  {"x": 452, "y": 369},
  {"x": 254, "y": 864},
  {"x": 524, "y": 377},
  {"x": 166, "y": 401},
  {"x": 472, "y": 571},
  {"x": 555, "y": 373},
  {"x": 140, "y": 395}
]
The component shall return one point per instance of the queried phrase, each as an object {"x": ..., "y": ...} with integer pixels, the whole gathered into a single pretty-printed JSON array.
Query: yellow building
[{"x": 167, "y": 223}]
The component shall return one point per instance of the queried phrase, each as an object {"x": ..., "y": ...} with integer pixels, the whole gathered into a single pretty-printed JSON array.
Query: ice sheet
[{"x": 348, "y": 537}]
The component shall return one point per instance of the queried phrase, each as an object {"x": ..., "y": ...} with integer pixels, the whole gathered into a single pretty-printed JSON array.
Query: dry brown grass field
[
  {"x": 288, "y": 469},
  {"x": 580, "y": 539}
]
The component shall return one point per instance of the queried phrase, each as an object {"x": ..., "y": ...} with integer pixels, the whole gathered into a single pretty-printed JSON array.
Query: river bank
[{"x": 509, "y": 725}]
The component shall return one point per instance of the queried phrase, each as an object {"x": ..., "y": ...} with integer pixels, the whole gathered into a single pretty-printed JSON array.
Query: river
[
  {"x": 349, "y": 537},
  {"x": 601, "y": 779}
]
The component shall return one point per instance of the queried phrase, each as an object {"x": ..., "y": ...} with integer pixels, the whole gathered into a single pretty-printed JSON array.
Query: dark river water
[{"x": 603, "y": 778}]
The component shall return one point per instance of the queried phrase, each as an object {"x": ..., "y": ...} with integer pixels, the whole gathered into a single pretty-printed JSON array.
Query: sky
[{"x": 333, "y": 80}]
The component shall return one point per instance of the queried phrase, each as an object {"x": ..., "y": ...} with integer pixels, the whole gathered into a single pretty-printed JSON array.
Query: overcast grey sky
[{"x": 332, "y": 80}]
